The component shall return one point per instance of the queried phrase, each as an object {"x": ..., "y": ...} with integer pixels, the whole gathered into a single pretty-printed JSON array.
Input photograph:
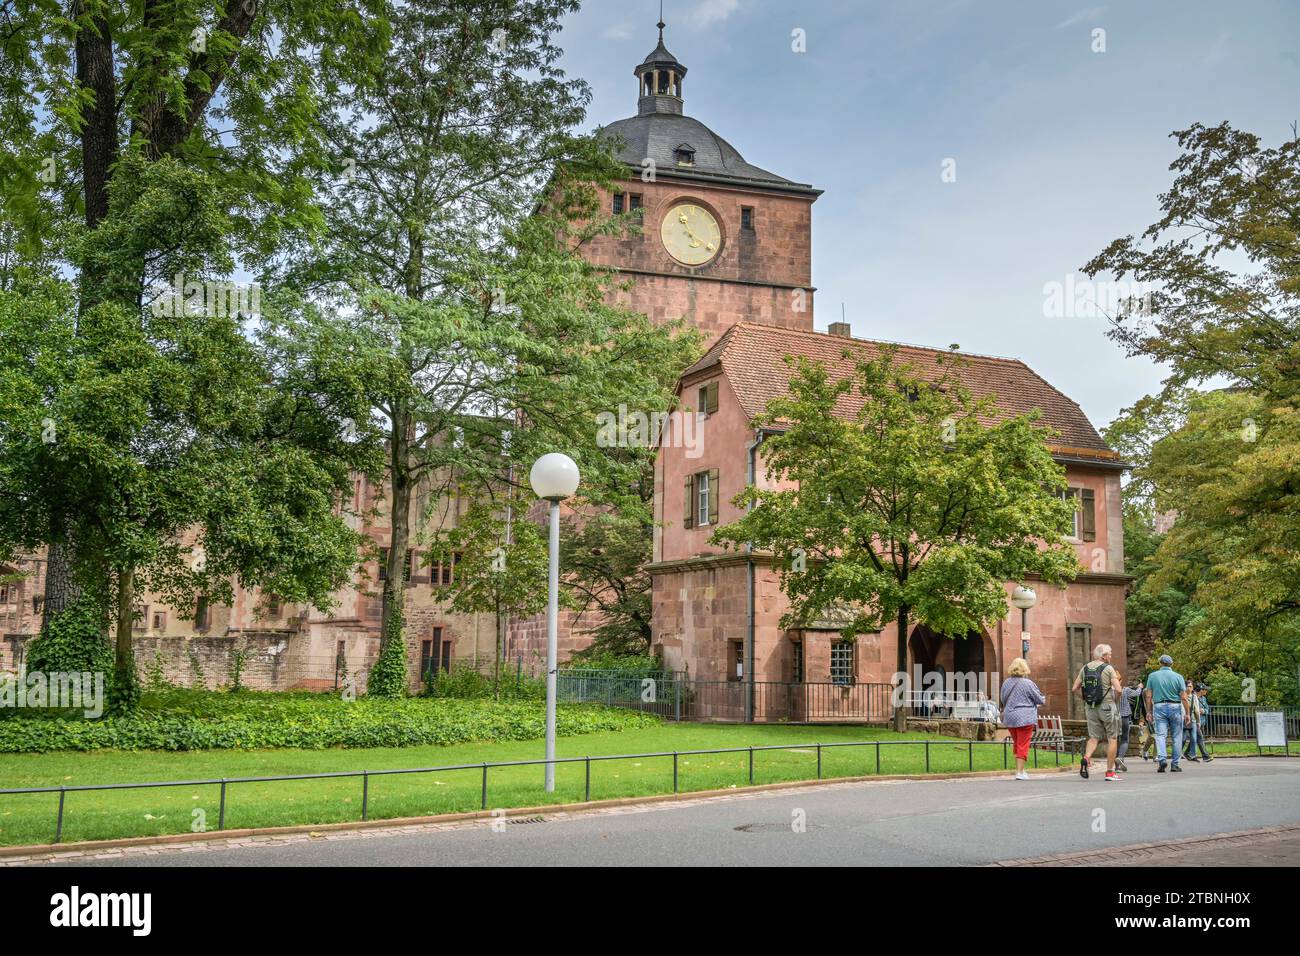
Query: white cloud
[
  {"x": 1085, "y": 15},
  {"x": 713, "y": 11}
]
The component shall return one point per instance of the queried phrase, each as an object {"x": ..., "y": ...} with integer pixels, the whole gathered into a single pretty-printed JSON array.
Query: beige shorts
[{"x": 1103, "y": 721}]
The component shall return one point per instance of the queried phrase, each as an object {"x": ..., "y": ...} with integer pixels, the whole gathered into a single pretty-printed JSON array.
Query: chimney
[{"x": 841, "y": 329}]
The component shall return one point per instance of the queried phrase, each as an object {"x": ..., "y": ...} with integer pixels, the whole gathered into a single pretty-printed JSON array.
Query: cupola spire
[{"x": 659, "y": 79}]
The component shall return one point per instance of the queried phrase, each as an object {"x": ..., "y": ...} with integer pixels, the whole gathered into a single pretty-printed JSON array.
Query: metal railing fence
[
  {"x": 366, "y": 775},
  {"x": 1237, "y": 721}
]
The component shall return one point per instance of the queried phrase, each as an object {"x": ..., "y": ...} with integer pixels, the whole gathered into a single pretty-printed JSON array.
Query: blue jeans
[
  {"x": 1195, "y": 740},
  {"x": 1169, "y": 716}
]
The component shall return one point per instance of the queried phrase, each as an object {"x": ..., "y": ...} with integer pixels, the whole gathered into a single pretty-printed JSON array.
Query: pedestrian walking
[
  {"x": 1099, "y": 684},
  {"x": 1166, "y": 697},
  {"x": 1196, "y": 724},
  {"x": 1130, "y": 699},
  {"x": 1021, "y": 699}
]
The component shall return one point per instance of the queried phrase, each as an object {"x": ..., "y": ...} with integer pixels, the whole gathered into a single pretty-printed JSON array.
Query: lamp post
[
  {"x": 554, "y": 477},
  {"x": 1024, "y": 598}
]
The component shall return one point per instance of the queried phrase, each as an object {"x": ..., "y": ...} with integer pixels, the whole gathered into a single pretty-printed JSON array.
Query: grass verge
[{"x": 30, "y": 818}]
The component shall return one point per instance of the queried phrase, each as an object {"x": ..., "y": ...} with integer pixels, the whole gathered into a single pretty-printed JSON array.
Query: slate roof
[
  {"x": 752, "y": 357},
  {"x": 657, "y": 135}
]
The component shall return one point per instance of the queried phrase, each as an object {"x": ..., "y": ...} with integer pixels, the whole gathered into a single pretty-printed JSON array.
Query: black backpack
[{"x": 1093, "y": 692}]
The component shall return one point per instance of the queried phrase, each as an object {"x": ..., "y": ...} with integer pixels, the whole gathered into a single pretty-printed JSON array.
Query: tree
[
  {"x": 1224, "y": 263},
  {"x": 453, "y": 257},
  {"x": 93, "y": 95},
  {"x": 604, "y": 553},
  {"x": 910, "y": 509},
  {"x": 182, "y": 449}
]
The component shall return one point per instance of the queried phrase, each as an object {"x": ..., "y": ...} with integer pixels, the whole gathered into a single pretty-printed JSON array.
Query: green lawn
[{"x": 30, "y": 818}]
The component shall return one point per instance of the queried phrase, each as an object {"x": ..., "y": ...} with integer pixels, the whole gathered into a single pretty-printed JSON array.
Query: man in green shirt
[{"x": 1167, "y": 708}]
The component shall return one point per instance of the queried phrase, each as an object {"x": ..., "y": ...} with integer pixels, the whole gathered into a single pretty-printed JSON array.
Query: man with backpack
[{"x": 1099, "y": 683}]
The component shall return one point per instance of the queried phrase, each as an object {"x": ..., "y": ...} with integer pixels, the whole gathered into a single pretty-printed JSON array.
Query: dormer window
[{"x": 684, "y": 155}]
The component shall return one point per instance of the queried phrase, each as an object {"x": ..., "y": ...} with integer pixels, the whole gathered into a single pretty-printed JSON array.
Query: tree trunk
[
  {"x": 93, "y": 50},
  {"x": 900, "y": 711},
  {"x": 124, "y": 682},
  {"x": 399, "y": 521},
  {"x": 62, "y": 589}
]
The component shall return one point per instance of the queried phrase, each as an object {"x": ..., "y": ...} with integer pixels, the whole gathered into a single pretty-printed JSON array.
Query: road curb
[
  {"x": 1107, "y": 856},
  {"x": 47, "y": 851}
]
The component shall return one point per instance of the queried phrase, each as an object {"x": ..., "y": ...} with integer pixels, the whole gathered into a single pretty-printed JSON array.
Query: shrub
[
  {"x": 200, "y": 720},
  {"x": 74, "y": 642}
]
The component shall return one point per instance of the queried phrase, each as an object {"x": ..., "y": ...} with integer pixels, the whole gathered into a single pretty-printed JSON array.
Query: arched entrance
[{"x": 958, "y": 666}]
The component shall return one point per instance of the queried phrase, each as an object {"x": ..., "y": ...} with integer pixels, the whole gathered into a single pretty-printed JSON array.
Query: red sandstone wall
[{"x": 753, "y": 279}]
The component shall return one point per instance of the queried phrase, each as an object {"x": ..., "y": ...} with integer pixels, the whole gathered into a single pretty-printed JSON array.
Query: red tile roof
[{"x": 752, "y": 356}]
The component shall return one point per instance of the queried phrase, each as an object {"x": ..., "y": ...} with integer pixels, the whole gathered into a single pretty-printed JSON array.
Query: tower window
[
  {"x": 747, "y": 218},
  {"x": 618, "y": 203},
  {"x": 685, "y": 155},
  {"x": 634, "y": 200}
]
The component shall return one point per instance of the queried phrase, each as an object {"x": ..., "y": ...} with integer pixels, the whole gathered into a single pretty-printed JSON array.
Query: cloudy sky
[{"x": 1057, "y": 148}]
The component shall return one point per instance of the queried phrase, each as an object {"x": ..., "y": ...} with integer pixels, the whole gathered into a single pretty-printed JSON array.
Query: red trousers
[{"x": 1020, "y": 737}]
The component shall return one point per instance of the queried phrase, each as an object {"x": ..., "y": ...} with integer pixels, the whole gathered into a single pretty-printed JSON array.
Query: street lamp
[
  {"x": 554, "y": 477},
  {"x": 1024, "y": 598}
]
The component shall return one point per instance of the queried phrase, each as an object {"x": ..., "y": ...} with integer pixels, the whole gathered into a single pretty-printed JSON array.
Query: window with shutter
[
  {"x": 713, "y": 496},
  {"x": 1089, "y": 514},
  {"x": 711, "y": 402},
  {"x": 688, "y": 517}
]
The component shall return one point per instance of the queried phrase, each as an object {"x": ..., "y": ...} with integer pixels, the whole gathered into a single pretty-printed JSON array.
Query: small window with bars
[
  {"x": 747, "y": 218},
  {"x": 842, "y": 670}
]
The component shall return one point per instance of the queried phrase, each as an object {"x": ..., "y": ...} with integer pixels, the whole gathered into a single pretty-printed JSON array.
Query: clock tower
[{"x": 722, "y": 241}]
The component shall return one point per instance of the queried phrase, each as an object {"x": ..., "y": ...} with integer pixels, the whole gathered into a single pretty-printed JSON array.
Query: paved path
[{"x": 962, "y": 822}]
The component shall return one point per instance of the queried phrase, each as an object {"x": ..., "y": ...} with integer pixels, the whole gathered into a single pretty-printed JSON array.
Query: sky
[{"x": 972, "y": 153}]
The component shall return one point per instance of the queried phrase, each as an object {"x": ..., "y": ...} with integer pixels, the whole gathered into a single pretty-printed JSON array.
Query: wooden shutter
[
  {"x": 711, "y": 391},
  {"x": 713, "y": 496},
  {"x": 1088, "y": 524},
  {"x": 688, "y": 517}
]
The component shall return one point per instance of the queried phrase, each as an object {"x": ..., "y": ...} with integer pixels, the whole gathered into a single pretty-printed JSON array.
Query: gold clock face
[{"x": 691, "y": 234}]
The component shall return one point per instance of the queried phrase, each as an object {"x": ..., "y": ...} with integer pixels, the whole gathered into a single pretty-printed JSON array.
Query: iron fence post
[
  {"x": 927, "y": 756},
  {"x": 674, "y": 771},
  {"x": 677, "y": 699},
  {"x": 877, "y": 758},
  {"x": 751, "y": 764},
  {"x": 970, "y": 755},
  {"x": 58, "y": 828},
  {"x": 221, "y": 809},
  {"x": 1004, "y": 755},
  {"x": 1035, "y": 749},
  {"x": 484, "y": 798},
  {"x": 819, "y": 761},
  {"x": 587, "y": 787},
  {"x": 365, "y": 793}
]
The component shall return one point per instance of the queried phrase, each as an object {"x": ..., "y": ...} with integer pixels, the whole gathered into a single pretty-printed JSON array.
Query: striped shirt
[{"x": 1021, "y": 699}]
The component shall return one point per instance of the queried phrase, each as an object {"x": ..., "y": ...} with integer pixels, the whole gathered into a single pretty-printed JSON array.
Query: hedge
[{"x": 250, "y": 721}]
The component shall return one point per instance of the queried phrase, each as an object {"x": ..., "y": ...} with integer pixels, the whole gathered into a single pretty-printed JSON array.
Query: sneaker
[
  {"x": 1208, "y": 759},
  {"x": 1175, "y": 769},
  {"x": 1193, "y": 759},
  {"x": 1119, "y": 765},
  {"x": 1112, "y": 777},
  {"x": 1083, "y": 767},
  {"x": 1023, "y": 775},
  {"x": 1161, "y": 768}
]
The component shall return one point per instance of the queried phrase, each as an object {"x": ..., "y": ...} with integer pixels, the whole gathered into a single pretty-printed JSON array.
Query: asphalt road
[{"x": 961, "y": 822}]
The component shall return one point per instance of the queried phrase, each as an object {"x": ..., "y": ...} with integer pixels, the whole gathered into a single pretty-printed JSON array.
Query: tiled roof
[{"x": 752, "y": 357}]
